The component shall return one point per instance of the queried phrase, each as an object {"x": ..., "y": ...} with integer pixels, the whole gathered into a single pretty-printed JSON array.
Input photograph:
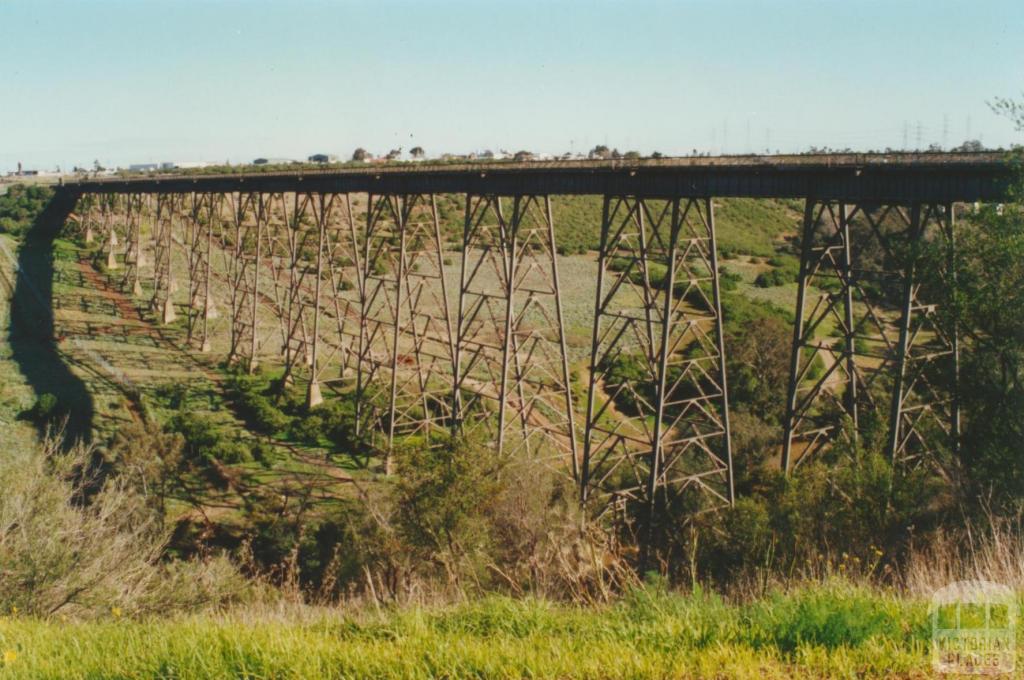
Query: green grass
[
  {"x": 742, "y": 225},
  {"x": 754, "y": 226},
  {"x": 826, "y": 630}
]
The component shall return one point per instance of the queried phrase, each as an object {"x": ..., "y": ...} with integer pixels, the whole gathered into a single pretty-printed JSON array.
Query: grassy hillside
[{"x": 743, "y": 225}]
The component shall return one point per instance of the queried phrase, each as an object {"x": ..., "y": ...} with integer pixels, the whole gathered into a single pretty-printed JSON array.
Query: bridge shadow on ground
[{"x": 31, "y": 329}]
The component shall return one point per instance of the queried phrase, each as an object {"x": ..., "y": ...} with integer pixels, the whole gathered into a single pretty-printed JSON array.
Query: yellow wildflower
[
  {"x": 116, "y": 611},
  {"x": 9, "y": 656}
]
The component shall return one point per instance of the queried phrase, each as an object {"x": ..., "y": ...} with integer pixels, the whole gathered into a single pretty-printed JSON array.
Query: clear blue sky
[{"x": 145, "y": 80}]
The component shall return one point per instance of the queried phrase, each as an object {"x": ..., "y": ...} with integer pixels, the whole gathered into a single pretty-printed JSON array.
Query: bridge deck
[{"x": 940, "y": 177}]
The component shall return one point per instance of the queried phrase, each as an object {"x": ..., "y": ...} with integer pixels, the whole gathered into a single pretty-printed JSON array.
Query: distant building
[
  {"x": 144, "y": 167},
  {"x": 323, "y": 158},
  {"x": 274, "y": 161},
  {"x": 188, "y": 165}
]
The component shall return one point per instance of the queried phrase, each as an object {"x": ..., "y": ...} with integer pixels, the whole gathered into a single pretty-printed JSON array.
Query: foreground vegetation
[{"x": 830, "y": 629}]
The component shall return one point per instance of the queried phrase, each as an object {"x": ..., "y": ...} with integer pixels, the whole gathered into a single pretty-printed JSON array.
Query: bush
[
  {"x": 231, "y": 452},
  {"x": 265, "y": 454},
  {"x": 770, "y": 278},
  {"x": 63, "y": 556},
  {"x": 173, "y": 393},
  {"x": 307, "y": 429},
  {"x": 728, "y": 280},
  {"x": 255, "y": 407},
  {"x": 45, "y": 411},
  {"x": 441, "y": 499},
  {"x": 206, "y": 442},
  {"x": 20, "y": 207},
  {"x": 338, "y": 424},
  {"x": 841, "y": 512}
]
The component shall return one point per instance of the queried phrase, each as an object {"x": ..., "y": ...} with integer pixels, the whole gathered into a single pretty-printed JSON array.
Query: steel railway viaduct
[{"x": 339, "y": 275}]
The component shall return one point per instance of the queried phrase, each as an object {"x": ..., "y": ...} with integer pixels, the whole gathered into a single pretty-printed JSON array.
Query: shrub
[
  {"x": 338, "y": 424},
  {"x": 728, "y": 280},
  {"x": 255, "y": 407},
  {"x": 206, "y": 442},
  {"x": 231, "y": 452},
  {"x": 307, "y": 429},
  {"x": 441, "y": 495},
  {"x": 173, "y": 393},
  {"x": 769, "y": 279},
  {"x": 45, "y": 410},
  {"x": 20, "y": 207},
  {"x": 265, "y": 454},
  {"x": 63, "y": 556}
]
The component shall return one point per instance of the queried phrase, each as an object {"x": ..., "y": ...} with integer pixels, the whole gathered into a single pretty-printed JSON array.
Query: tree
[
  {"x": 441, "y": 501},
  {"x": 988, "y": 305},
  {"x": 971, "y": 145},
  {"x": 417, "y": 152},
  {"x": 1011, "y": 109},
  {"x": 360, "y": 154},
  {"x": 522, "y": 156},
  {"x": 632, "y": 155},
  {"x": 600, "y": 151},
  {"x": 758, "y": 352}
]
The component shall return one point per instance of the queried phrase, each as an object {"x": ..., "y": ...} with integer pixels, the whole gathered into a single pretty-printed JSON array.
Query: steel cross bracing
[
  {"x": 90, "y": 219},
  {"x": 246, "y": 239},
  {"x": 108, "y": 230},
  {"x": 131, "y": 281},
  {"x": 510, "y": 352},
  {"x": 657, "y": 410},
  {"x": 347, "y": 292},
  {"x": 888, "y": 362},
  {"x": 292, "y": 238},
  {"x": 405, "y": 348},
  {"x": 167, "y": 216},
  {"x": 336, "y": 326},
  {"x": 202, "y": 218}
]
